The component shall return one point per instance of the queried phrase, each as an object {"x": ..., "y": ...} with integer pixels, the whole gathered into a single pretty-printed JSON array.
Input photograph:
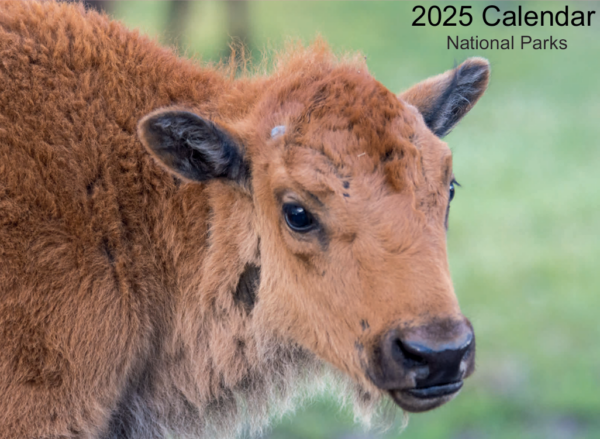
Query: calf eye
[
  {"x": 452, "y": 189},
  {"x": 298, "y": 218}
]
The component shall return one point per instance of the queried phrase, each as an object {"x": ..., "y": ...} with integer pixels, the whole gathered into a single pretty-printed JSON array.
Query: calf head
[{"x": 350, "y": 187}]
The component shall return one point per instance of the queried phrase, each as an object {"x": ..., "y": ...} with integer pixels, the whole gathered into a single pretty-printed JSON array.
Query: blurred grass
[{"x": 524, "y": 239}]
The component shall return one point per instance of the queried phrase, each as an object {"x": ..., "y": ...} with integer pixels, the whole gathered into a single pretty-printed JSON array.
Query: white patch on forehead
[{"x": 277, "y": 131}]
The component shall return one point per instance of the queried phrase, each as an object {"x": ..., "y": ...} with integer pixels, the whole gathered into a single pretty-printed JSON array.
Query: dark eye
[
  {"x": 452, "y": 189},
  {"x": 298, "y": 218}
]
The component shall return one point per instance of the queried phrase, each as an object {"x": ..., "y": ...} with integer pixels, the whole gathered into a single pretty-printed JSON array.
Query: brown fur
[{"x": 118, "y": 316}]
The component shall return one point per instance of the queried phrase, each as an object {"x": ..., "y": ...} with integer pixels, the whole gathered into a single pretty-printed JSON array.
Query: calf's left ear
[
  {"x": 193, "y": 147},
  {"x": 444, "y": 99}
]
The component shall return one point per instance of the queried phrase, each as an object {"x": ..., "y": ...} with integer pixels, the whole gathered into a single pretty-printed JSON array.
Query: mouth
[{"x": 420, "y": 399}]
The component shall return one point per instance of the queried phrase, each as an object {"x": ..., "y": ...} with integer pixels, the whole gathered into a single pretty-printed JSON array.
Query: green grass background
[{"x": 524, "y": 238}]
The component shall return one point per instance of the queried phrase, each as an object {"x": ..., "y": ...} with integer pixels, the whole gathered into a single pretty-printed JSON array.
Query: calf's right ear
[
  {"x": 444, "y": 99},
  {"x": 193, "y": 147}
]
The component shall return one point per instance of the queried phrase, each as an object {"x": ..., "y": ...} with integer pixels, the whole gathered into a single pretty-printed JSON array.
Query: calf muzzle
[{"x": 423, "y": 367}]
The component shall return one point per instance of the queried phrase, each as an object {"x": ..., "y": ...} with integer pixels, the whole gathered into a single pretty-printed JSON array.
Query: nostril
[{"x": 409, "y": 356}]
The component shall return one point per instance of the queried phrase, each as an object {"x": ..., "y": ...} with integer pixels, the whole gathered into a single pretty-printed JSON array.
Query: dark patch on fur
[
  {"x": 359, "y": 346},
  {"x": 364, "y": 325},
  {"x": 240, "y": 346},
  {"x": 245, "y": 292},
  {"x": 108, "y": 251},
  {"x": 91, "y": 186},
  {"x": 346, "y": 184},
  {"x": 258, "y": 247},
  {"x": 392, "y": 155},
  {"x": 364, "y": 396},
  {"x": 131, "y": 410},
  {"x": 422, "y": 166},
  {"x": 127, "y": 414},
  {"x": 121, "y": 425},
  {"x": 248, "y": 383},
  {"x": 346, "y": 195}
]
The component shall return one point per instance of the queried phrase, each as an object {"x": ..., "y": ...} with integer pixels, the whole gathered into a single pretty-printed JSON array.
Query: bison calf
[{"x": 182, "y": 252}]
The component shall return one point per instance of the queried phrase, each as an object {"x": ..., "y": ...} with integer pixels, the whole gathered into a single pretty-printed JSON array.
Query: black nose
[{"x": 437, "y": 355}]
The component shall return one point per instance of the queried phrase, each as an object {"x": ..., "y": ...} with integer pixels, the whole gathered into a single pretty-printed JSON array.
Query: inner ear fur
[
  {"x": 444, "y": 99},
  {"x": 193, "y": 147}
]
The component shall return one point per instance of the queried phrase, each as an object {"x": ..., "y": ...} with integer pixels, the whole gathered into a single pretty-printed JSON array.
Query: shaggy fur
[{"x": 137, "y": 302}]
